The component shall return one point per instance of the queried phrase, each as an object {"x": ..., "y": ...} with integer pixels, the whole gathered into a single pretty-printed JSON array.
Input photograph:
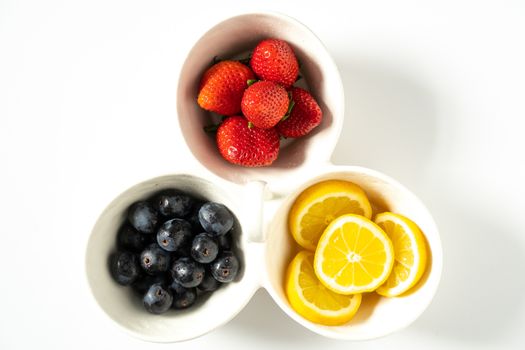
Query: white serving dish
[{"x": 260, "y": 199}]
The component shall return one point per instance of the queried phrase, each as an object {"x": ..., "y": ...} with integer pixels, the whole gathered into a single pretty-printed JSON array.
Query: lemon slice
[
  {"x": 409, "y": 253},
  {"x": 321, "y": 203},
  {"x": 312, "y": 300},
  {"x": 354, "y": 255}
]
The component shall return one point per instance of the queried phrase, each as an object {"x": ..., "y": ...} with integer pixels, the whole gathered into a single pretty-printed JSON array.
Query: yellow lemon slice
[
  {"x": 321, "y": 203},
  {"x": 409, "y": 253},
  {"x": 311, "y": 299},
  {"x": 354, "y": 255}
]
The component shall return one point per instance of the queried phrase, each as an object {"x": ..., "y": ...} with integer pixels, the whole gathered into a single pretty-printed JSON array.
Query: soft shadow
[
  {"x": 482, "y": 287},
  {"x": 390, "y": 119},
  {"x": 262, "y": 320},
  {"x": 366, "y": 309}
]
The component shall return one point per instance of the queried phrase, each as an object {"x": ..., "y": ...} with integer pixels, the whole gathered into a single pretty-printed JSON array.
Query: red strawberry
[
  {"x": 250, "y": 147},
  {"x": 222, "y": 86},
  {"x": 306, "y": 115},
  {"x": 265, "y": 103},
  {"x": 274, "y": 60}
]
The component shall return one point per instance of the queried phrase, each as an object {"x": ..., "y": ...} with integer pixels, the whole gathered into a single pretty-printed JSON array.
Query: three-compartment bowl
[{"x": 260, "y": 198}]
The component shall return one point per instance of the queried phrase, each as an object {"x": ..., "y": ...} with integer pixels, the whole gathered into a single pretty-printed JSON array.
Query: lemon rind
[
  {"x": 304, "y": 202},
  {"x": 328, "y": 281},
  {"x": 417, "y": 240},
  {"x": 313, "y": 313}
]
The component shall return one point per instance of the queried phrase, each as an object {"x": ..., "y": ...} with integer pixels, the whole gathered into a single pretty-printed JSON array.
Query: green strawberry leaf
[
  {"x": 211, "y": 129},
  {"x": 289, "y": 111},
  {"x": 250, "y": 82},
  {"x": 246, "y": 61},
  {"x": 215, "y": 60},
  {"x": 250, "y": 125}
]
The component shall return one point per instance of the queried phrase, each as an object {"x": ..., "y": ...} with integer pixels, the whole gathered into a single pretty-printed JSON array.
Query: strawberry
[
  {"x": 264, "y": 103},
  {"x": 222, "y": 86},
  {"x": 274, "y": 60},
  {"x": 242, "y": 145},
  {"x": 305, "y": 115}
]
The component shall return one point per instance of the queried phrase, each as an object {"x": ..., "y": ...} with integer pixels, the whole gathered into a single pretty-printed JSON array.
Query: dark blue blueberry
[
  {"x": 204, "y": 248},
  {"x": 225, "y": 242},
  {"x": 130, "y": 239},
  {"x": 185, "y": 298},
  {"x": 187, "y": 273},
  {"x": 154, "y": 259},
  {"x": 124, "y": 268},
  {"x": 174, "y": 234},
  {"x": 158, "y": 299},
  {"x": 215, "y": 218},
  {"x": 173, "y": 204},
  {"x": 142, "y": 284},
  {"x": 209, "y": 283},
  {"x": 226, "y": 267},
  {"x": 143, "y": 217},
  {"x": 182, "y": 297},
  {"x": 176, "y": 287}
]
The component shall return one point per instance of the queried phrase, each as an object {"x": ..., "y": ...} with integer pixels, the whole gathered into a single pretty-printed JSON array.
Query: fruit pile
[
  {"x": 259, "y": 104},
  {"x": 173, "y": 248},
  {"x": 347, "y": 254}
]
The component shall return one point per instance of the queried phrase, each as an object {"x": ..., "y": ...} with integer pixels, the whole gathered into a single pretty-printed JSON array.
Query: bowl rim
[
  {"x": 436, "y": 251},
  {"x": 250, "y": 287},
  {"x": 329, "y": 142},
  {"x": 314, "y": 169}
]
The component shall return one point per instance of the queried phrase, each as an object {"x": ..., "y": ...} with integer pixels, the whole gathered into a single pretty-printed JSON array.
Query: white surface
[{"x": 434, "y": 98}]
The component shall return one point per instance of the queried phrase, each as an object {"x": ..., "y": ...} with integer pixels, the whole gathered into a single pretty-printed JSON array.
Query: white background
[{"x": 435, "y": 98}]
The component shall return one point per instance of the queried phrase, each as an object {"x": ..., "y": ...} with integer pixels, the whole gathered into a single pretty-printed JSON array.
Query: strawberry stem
[
  {"x": 211, "y": 129},
  {"x": 246, "y": 61},
  {"x": 216, "y": 59},
  {"x": 250, "y": 125},
  {"x": 289, "y": 111},
  {"x": 250, "y": 82}
]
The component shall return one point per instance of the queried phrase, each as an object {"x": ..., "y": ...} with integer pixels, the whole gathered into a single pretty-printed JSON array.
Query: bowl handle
[{"x": 254, "y": 196}]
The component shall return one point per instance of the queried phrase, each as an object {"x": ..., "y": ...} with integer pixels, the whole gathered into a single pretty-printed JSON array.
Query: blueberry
[
  {"x": 124, "y": 268},
  {"x": 215, "y": 218},
  {"x": 204, "y": 248},
  {"x": 225, "y": 267},
  {"x": 158, "y": 299},
  {"x": 173, "y": 204},
  {"x": 187, "y": 272},
  {"x": 130, "y": 239},
  {"x": 154, "y": 259},
  {"x": 183, "y": 297},
  {"x": 209, "y": 283},
  {"x": 142, "y": 284},
  {"x": 176, "y": 287},
  {"x": 174, "y": 234},
  {"x": 143, "y": 217},
  {"x": 225, "y": 242}
]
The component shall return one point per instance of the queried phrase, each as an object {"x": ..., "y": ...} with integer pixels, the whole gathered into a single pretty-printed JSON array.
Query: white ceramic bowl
[
  {"x": 240, "y": 34},
  {"x": 125, "y": 308},
  {"x": 377, "y": 316},
  {"x": 261, "y": 199},
  {"x": 267, "y": 248}
]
